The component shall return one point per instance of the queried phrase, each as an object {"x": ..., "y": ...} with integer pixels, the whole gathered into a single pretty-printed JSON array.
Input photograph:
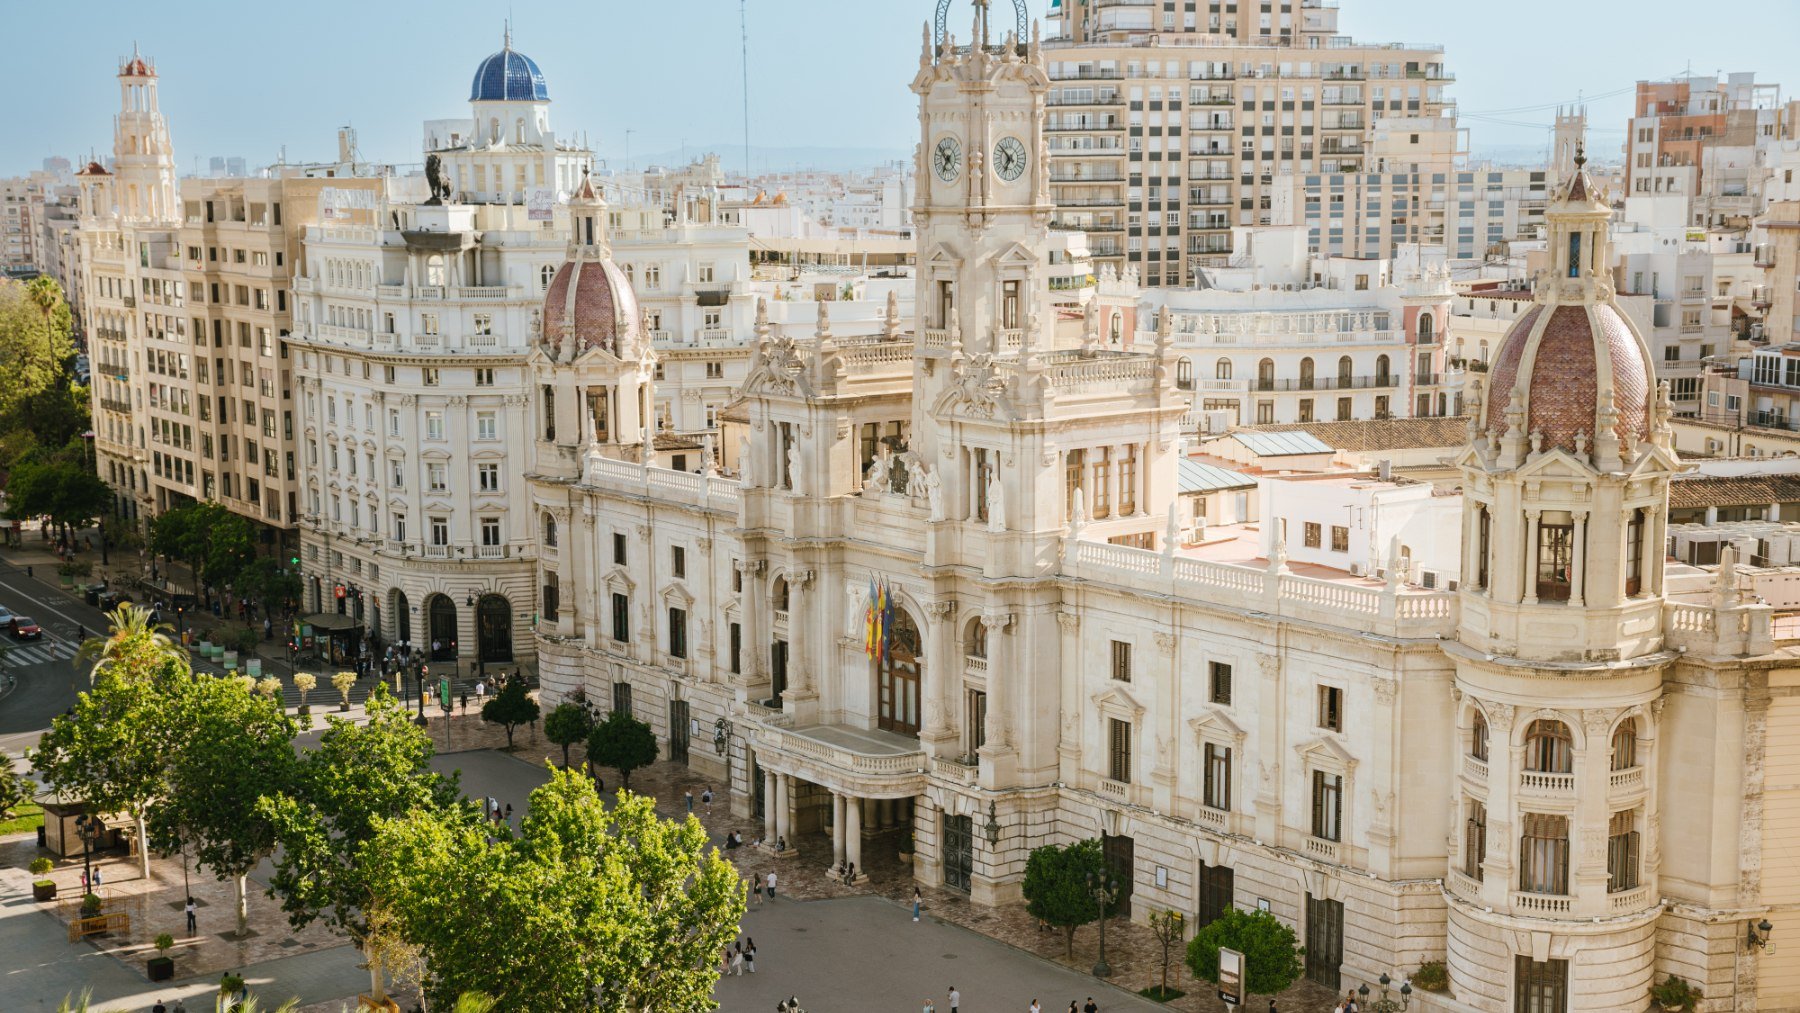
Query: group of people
[{"x": 739, "y": 956}]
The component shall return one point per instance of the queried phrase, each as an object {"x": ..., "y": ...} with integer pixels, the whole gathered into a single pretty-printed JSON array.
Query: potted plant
[
  {"x": 162, "y": 966},
  {"x": 45, "y": 887},
  {"x": 90, "y": 905},
  {"x": 231, "y": 985},
  {"x": 304, "y": 682},
  {"x": 1674, "y": 994},
  {"x": 1431, "y": 976},
  {"x": 906, "y": 845},
  {"x": 342, "y": 682}
]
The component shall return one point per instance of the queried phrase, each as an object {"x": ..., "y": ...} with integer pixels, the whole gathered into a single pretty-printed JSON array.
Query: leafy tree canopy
[
  {"x": 1057, "y": 888},
  {"x": 511, "y": 707},
  {"x": 624, "y": 910},
  {"x": 1271, "y": 951},
  {"x": 567, "y": 724},
  {"x": 623, "y": 743}
]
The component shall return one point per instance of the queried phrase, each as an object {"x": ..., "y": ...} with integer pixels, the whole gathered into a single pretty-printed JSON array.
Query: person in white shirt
[
  {"x": 955, "y": 999},
  {"x": 771, "y": 886}
]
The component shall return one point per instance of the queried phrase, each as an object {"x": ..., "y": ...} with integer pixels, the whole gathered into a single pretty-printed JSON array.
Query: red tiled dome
[
  {"x": 593, "y": 298},
  {"x": 1561, "y": 391}
]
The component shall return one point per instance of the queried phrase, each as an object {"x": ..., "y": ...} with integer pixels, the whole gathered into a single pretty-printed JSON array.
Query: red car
[{"x": 25, "y": 629}]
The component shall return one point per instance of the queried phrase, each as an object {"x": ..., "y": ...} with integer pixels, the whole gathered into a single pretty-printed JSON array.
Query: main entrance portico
[{"x": 855, "y": 782}]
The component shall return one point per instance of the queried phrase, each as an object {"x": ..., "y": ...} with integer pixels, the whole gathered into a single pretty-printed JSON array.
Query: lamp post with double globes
[
  {"x": 1386, "y": 1004},
  {"x": 1105, "y": 891}
]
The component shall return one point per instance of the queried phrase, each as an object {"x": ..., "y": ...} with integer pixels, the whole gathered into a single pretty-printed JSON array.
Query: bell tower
[{"x": 143, "y": 158}]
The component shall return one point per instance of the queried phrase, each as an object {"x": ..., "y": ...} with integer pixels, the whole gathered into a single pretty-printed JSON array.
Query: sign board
[
  {"x": 336, "y": 203},
  {"x": 540, "y": 204},
  {"x": 444, "y": 693},
  {"x": 1231, "y": 977}
]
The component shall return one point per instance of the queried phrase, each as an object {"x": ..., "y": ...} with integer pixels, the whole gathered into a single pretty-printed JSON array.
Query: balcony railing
[
  {"x": 437, "y": 552},
  {"x": 1541, "y": 903},
  {"x": 490, "y": 552},
  {"x": 1629, "y": 779},
  {"x": 1377, "y": 381},
  {"x": 1546, "y": 784}
]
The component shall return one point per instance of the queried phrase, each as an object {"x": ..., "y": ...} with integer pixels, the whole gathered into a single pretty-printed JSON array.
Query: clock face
[
  {"x": 1009, "y": 158},
  {"x": 946, "y": 159}
]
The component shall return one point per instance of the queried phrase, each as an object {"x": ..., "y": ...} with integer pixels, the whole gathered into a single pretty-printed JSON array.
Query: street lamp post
[
  {"x": 1386, "y": 1004},
  {"x": 424, "y": 670},
  {"x": 1105, "y": 892},
  {"x": 88, "y": 828}
]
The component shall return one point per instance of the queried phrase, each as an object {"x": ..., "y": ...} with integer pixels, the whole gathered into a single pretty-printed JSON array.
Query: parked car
[
  {"x": 6, "y": 617},
  {"x": 25, "y": 629}
]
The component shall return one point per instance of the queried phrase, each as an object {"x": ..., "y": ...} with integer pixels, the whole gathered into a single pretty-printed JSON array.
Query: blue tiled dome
[{"x": 508, "y": 76}]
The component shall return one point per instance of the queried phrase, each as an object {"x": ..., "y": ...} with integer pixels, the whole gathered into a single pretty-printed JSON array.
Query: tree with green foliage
[
  {"x": 624, "y": 910},
  {"x": 46, "y": 295},
  {"x": 68, "y": 492},
  {"x": 239, "y": 749},
  {"x": 15, "y": 788},
  {"x": 1271, "y": 951},
  {"x": 567, "y": 724},
  {"x": 216, "y": 544},
  {"x": 113, "y": 749},
  {"x": 1056, "y": 887},
  {"x": 623, "y": 743},
  {"x": 33, "y": 347},
  {"x": 357, "y": 776},
  {"x": 268, "y": 582},
  {"x": 511, "y": 707}
]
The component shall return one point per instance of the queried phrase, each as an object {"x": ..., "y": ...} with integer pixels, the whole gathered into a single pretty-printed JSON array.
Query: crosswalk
[{"x": 36, "y": 652}]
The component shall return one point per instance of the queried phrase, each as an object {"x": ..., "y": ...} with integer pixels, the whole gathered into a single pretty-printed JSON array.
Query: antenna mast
[{"x": 744, "y": 43}]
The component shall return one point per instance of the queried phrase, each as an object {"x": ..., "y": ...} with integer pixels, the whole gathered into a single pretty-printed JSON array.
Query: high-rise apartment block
[
  {"x": 1169, "y": 127},
  {"x": 1681, "y": 126}
]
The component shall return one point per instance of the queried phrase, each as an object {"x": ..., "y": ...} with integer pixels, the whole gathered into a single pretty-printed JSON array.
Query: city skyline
[{"x": 795, "y": 103}]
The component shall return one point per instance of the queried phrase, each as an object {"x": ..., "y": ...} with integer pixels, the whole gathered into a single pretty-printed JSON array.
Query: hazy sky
[{"x": 246, "y": 79}]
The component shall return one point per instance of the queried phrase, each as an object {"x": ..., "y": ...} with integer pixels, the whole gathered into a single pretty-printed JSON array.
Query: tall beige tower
[
  {"x": 1567, "y": 138},
  {"x": 144, "y": 159}
]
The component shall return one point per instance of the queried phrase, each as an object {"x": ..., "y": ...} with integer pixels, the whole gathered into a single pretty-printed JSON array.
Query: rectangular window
[
  {"x": 487, "y": 426},
  {"x": 1540, "y": 987},
  {"x": 1544, "y": 854},
  {"x": 677, "y": 633},
  {"x": 440, "y": 531},
  {"x": 1340, "y": 538},
  {"x": 1474, "y": 840},
  {"x": 490, "y": 531},
  {"x": 618, "y": 548},
  {"x": 621, "y": 618},
  {"x": 1556, "y": 554},
  {"x": 434, "y": 425},
  {"x": 484, "y": 377},
  {"x": 1118, "y": 750},
  {"x": 622, "y": 697},
  {"x": 430, "y": 375},
  {"x": 487, "y": 477},
  {"x": 678, "y": 561},
  {"x": 1221, "y": 682},
  {"x": 1121, "y": 661},
  {"x": 436, "y": 477},
  {"x": 1313, "y": 535},
  {"x": 737, "y": 648},
  {"x": 1218, "y": 777},
  {"x": 1327, "y": 806},
  {"x": 1331, "y": 708},
  {"x": 1622, "y": 852},
  {"x": 1216, "y": 891}
]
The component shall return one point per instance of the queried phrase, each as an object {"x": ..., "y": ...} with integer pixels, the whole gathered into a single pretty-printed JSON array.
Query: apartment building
[
  {"x": 1167, "y": 128},
  {"x": 1282, "y": 336},
  {"x": 23, "y": 229},
  {"x": 1677, "y": 124}
]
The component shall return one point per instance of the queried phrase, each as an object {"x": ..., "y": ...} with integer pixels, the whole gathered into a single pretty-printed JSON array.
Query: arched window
[
  {"x": 778, "y": 594},
  {"x": 1116, "y": 331},
  {"x": 1478, "y": 738},
  {"x": 1184, "y": 373},
  {"x": 1222, "y": 369},
  {"x": 1426, "y": 329},
  {"x": 546, "y": 274},
  {"x": 1306, "y": 373},
  {"x": 519, "y": 130},
  {"x": 975, "y": 644},
  {"x": 1346, "y": 371},
  {"x": 1624, "y": 745},
  {"x": 1483, "y": 352},
  {"x": 434, "y": 269},
  {"x": 1548, "y": 747},
  {"x": 1381, "y": 371},
  {"x": 550, "y": 530},
  {"x": 1265, "y": 375}
]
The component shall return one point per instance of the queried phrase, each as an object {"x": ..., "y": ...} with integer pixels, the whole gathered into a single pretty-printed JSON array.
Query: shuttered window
[
  {"x": 1544, "y": 854},
  {"x": 1622, "y": 852},
  {"x": 1221, "y": 683},
  {"x": 1121, "y": 661},
  {"x": 1327, "y": 806},
  {"x": 1118, "y": 742},
  {"x": 1548, "y": 749},
  {"x": 1218, "y": 777},
  {"x": 1475, "y": 840}
]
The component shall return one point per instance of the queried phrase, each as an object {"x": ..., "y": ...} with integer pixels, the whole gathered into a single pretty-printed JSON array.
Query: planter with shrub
[
  {"x": 43, "y": 888},
  {"x": 90, "y": 906},
  {"x": 1431, "y": 976},
  {"x": 162, "y": 966},
  {"x": 1675, "y": 994}
]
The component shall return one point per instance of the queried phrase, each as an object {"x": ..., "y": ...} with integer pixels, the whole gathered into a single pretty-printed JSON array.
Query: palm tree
[
  {"x": 474, "y": 1002},
  {"x": 46, "y": 295},
  {"x": 133, "y": 634},
  {"x": 70, "y": 1004}
]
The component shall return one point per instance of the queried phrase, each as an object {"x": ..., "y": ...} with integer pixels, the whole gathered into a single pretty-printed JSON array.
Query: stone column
[
  {"x": 994, "y": 731},
  {"x": 755, "y": 645},
  {"x": 784, "y": 820},
  {"x": 1657, "y": 551},
  {"x": 1578, "y": 560},
  {"x": 837, "y": 829},
  {"x": 1529, "y": 587},
  {"x": 771, "y": 806},
  {"x": 853, "y": 831}
]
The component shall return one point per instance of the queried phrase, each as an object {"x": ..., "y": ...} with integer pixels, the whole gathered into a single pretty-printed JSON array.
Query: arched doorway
[
  {"x": 901, "y": 669},
  {"x": 493, "y": 628},
  {"x": 402, "y": 611},
  {"x": 442, "y": 613}
]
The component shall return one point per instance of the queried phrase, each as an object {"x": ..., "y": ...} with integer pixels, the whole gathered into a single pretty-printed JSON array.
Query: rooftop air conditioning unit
[{"x": 1356, "y": 569}]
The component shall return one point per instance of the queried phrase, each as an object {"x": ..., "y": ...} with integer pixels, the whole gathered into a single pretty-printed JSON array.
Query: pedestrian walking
[
  {"x": 689, "y": 794},
  {"x": 756, "y": 892},
  {"x": 97, "y": 877},
  {"x": 750, "y": 953},
  {"x": 916, "y": 899},
  {"x": 1091, "y": 1007},
  {"x": 1034, "y": 1007},
  {"x": 1272, "y": 1008},
  {"x": 737, "y": 960},
  {"x": 159, "y": 1007},
  {"x": 1072, "y": 1008},
  {"x": 706, "y": 800},
  {"x": 930, "y": 1007},
  {"x": 771, "y": 886},
  {"x": 955, "y": 999},
  {"x": 193, "y": 924}
]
